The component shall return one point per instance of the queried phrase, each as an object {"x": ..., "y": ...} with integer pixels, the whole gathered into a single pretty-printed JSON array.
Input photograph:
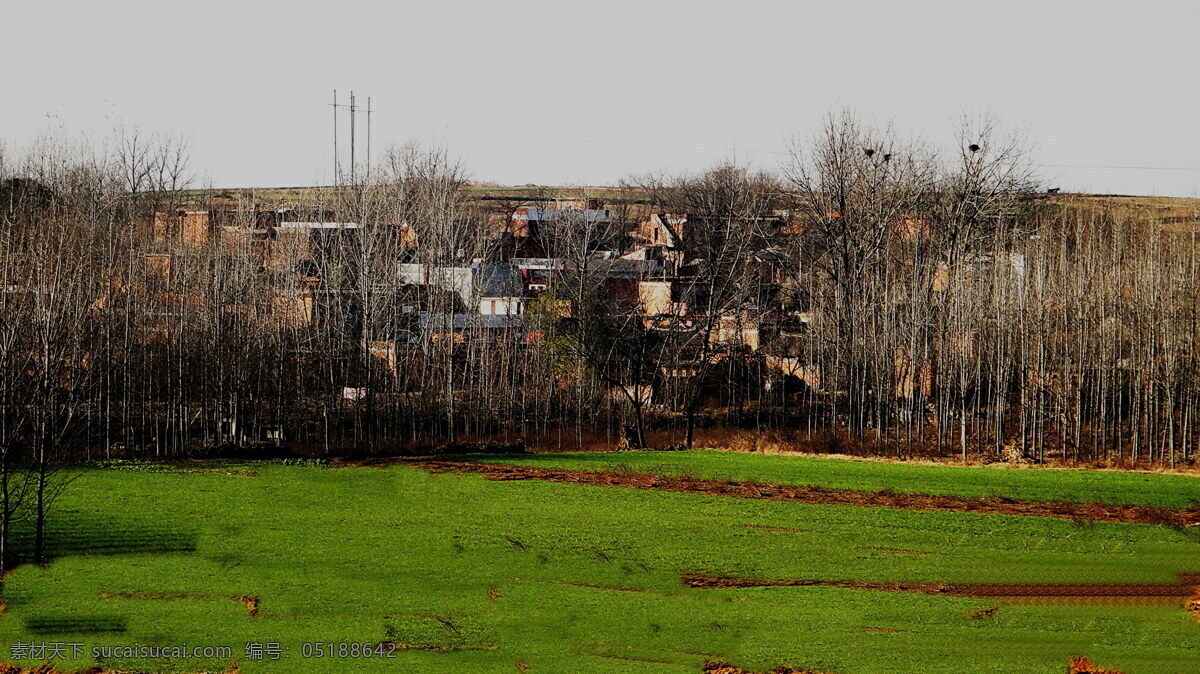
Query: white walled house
[{"x": 502, "y": 290}]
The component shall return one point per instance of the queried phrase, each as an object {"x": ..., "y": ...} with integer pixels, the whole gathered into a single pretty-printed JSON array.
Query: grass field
[
  {"x": 475, "y": 575},
  {"x": 1040, "y": 484}
]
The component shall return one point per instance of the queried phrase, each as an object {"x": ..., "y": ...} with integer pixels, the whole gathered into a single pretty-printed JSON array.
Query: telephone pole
[
  {"x": 337, "y": 167},
  {"x": 353, "y": 115},
  {"x": 353, "y": 107}
]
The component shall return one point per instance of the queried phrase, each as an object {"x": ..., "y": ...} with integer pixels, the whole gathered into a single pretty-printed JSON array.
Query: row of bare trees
[
  {"x": 872, "y": 292},
  {"x": 953, "y": 309}
]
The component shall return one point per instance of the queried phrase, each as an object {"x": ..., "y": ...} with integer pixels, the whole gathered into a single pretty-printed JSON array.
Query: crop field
[{"x": 457, "y": 572}]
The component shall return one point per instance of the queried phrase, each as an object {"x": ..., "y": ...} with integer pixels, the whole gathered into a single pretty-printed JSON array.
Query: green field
[
  {"x": 487, "y": 576},
  {"x": 1031, "y": 484}
]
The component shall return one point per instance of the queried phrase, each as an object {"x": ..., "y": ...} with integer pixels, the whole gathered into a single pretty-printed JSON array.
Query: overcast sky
[{"x": 585, "y": 93}]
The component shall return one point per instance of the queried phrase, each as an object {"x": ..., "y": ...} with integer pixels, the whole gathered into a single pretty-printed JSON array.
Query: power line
[{"x": 353, "y": 109}]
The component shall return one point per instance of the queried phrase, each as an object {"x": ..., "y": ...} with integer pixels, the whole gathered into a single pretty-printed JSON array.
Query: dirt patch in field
[
  {"x": 1094, "y": 512},
  {"x": 251, "y": 603},
  {"x": 1064, "y": 591},
  {"x": 707, "y": 582},
  {"x": 1081, "y": 665},
  {"x": 983, "y": 614}
]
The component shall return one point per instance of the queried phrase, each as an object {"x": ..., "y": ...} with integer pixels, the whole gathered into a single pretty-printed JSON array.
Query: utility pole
[
  {"x": 368, "y": 137},
  {"x": 337, "y": 167},
  {"x": 353, "y": 114}
]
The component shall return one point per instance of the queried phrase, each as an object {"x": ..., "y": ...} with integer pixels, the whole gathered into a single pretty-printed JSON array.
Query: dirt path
[
  {"x": 1095, "y": 512},
  {"x": 1180, "y": 591}
]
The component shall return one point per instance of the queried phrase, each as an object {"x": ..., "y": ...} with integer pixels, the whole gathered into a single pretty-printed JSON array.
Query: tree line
[{"x": 873, "y": 294}]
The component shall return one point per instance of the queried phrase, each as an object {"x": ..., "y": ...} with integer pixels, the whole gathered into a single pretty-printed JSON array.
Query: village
[
  {"x": 534, "y": 263},
  {"x": 885, "y": 302},
  {"x": 640, "y": 267}
]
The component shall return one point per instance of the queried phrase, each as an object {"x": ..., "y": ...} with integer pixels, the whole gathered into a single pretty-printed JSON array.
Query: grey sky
[{"x": 560, "y": 92}]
